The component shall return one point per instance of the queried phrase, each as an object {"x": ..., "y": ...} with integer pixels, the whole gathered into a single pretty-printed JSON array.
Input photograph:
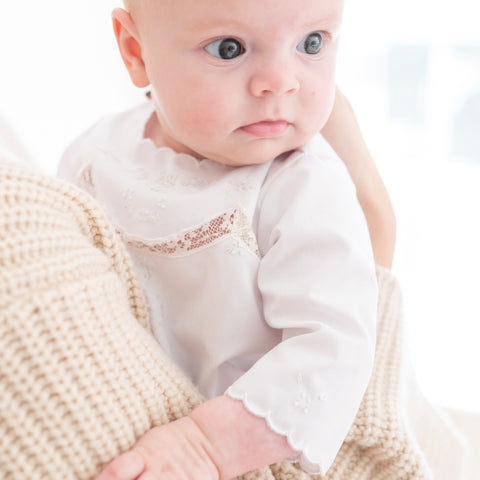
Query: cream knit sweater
[{"x": 81, "y": 377}]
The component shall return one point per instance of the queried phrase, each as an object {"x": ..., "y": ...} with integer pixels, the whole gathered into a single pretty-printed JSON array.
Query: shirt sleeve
[{"x": 318, "y": 285}]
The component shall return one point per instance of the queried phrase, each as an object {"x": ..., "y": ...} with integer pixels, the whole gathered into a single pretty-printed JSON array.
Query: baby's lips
[{"x": 267, "y": 128}]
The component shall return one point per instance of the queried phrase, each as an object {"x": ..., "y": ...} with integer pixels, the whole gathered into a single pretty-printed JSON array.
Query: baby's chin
[
  {"x": 258, "y": 152},
  {"x": 249, "y": 158}
]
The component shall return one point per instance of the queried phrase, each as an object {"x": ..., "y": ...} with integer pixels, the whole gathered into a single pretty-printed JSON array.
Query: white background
[{"x": 411, "y": 70}]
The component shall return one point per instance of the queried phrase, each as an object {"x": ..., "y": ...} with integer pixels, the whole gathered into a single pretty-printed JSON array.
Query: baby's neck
[{"x": 153, "y": 131}]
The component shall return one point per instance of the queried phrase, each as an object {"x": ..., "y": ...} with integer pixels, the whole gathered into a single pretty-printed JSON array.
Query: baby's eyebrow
[
  {"x": 219, "y": 21},
  {"x": 328, "y": 23}
]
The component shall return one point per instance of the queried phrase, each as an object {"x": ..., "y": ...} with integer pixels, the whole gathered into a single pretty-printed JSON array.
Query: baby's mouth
[{"x": 266, "y": 128}]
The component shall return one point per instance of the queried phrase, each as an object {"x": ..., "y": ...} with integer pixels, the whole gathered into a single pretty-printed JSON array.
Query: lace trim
[{"x": 233, "y": 222}]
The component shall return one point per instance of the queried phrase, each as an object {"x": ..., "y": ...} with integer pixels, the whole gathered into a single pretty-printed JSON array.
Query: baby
[{"x": 244, "y": 227}]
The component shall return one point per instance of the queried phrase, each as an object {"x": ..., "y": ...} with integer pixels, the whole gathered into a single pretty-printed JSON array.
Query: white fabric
[
  {"x": 260, "y": 279},
  {"x": 11, "y": 149}
]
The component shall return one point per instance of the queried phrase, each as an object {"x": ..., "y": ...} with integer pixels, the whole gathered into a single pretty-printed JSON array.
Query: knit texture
[{"x": 81, "y": 376}]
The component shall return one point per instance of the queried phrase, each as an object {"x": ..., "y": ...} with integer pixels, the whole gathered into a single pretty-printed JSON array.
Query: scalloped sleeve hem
[{"x": 310, "y": 465}]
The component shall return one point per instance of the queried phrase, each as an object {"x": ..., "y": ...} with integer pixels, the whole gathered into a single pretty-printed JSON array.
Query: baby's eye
[
  {"x": 225, "y": 48},
  {"x": 311, "y": 44}
]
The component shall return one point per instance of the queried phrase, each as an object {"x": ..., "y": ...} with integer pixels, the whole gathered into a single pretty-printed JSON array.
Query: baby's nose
[{"x": 275, "y": 81}]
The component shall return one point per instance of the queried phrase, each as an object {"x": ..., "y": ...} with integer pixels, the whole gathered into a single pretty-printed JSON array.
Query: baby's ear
[{"x": 129, "y": 45}]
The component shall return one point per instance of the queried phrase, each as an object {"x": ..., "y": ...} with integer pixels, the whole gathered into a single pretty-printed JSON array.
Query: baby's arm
[
  {"x": 220, "y": 439},
  {"x": 317, "y": 375},
  {"x": 343, "y": 134}
]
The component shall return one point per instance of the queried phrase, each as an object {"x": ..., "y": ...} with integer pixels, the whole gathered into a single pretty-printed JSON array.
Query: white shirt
[{"x": 260, "y": 279}]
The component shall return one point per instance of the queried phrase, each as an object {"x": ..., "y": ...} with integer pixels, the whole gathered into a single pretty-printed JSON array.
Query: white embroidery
[
  {"x": 237, "y": 249},
  {"x": 152, "y": 216},
  {"x": 145, "y": 215},
  {"x": 303, "y": 401},
  {"x": 163, "y": 181},
  {"x": 195, "y": 182},
  {"x": 158, "y": 183},
  {"x": 242, "y": 186}
]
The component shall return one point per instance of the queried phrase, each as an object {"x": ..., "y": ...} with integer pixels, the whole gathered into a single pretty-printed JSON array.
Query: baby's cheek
[
  {"x": 320, "y": 104},
  {"x": 210, "y": 116}
]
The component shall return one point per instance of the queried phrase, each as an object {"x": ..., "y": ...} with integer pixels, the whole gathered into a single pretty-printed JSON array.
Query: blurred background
[{"x": 411, "y": 69}]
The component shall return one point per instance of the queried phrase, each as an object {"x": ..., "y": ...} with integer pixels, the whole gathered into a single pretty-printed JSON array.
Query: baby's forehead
[
  {"x": 135, "y": 7},
  {"x": 135, "y": 4},
  {"x": 144, "y": 5},
  {"x": 147, "y": 11},
  {"x": 131, "y": 4}
]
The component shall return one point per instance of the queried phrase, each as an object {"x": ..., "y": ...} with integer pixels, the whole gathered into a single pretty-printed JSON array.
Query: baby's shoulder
[
  {"x": 120, "y": 128},
  {"x": 315, "y": 159},
  {"x": 111, "y": 133}
]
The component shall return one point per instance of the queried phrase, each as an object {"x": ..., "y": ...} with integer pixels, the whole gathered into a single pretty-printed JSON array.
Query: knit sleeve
[{"x": 81, "y": 377}]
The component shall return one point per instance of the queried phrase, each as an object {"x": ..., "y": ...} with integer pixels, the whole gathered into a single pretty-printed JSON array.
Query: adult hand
[
  {"x": 176, "y": 451},
  {"x": 343, "y": 133}
]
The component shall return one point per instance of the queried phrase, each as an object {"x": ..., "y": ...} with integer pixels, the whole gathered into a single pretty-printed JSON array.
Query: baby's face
[{"x": 239, "y": 81}]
